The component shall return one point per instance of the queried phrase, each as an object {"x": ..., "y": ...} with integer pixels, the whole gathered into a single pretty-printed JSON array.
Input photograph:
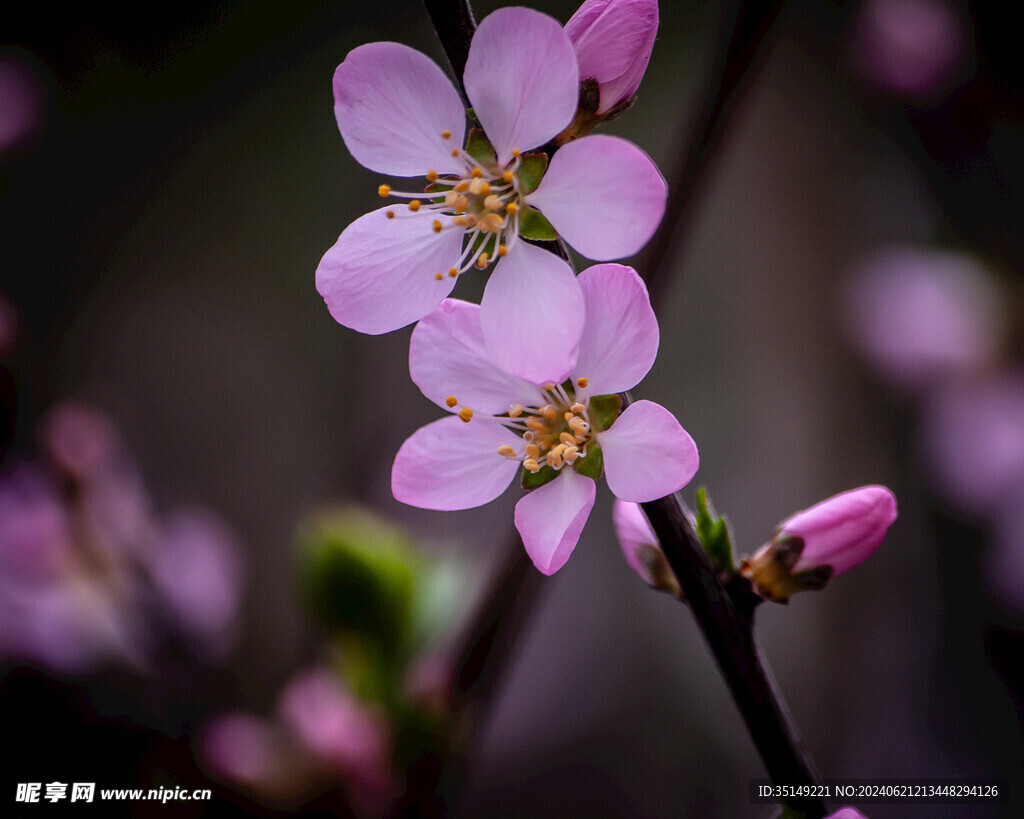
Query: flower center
[
  {"x": 484, "y": 202},
  {"x": 555, "y": 433}
]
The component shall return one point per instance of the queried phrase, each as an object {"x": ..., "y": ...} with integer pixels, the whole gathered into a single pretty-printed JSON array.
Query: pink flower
[
  {"x": 399, "y": 115},
  {"x": 846, "y": 813},
  {"x": 641, "y": 549},
  {"x": 613, "y": 41},
  {"x": 817, "y": 544},
  {"x": 558, "y": 434}
]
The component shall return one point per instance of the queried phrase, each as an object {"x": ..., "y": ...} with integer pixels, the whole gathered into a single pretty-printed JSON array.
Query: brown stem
[{"x": 453, "y": 21}]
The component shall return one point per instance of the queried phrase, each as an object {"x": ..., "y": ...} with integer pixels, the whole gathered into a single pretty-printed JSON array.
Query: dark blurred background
[{"x": 163, "y": 213}]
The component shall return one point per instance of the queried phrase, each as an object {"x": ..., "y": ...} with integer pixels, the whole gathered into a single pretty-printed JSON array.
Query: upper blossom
[
  {"x": 399, "y": 115},
  {"x": 559, "y": 436},
  {"x": 613, "y": 41}
]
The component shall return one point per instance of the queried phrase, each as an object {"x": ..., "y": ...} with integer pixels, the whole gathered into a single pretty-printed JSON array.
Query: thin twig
[{"x": 453, "y": 21}]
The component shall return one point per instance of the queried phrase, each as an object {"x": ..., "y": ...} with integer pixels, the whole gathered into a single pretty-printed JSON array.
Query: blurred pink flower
[
  {"x": 399, "y": 114},
  {"x": 641, "y": 549},
  {"x": 920, "y": 315},
  {"x": 914, "y": 48},
  {"x": 23, "y": 99},
  {"x": 8, "y": 326},
  {"x": 81, "y": 440},
  {"x": 1003, "y": 566},
  {"x": 973, "y": 438},
  {"x": 613, "y": 41},
  {"x": 825, "y": 541},
  {"x": 846, "y": 813},
  {"x": 502, "y": 424}
]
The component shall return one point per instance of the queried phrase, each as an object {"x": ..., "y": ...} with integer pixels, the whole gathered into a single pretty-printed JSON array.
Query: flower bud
[
  {"x": 641, "y": 549},
  {"x": 613, "y": 41},
  {"x": 822, "y": 542},
  {"x": 846, "y": 813}
]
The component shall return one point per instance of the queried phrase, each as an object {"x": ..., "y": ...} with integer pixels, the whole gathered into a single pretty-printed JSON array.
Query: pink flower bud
[
  {"x": 817, "y": 544},
  {"x": 613, "y": 41},
  {"x": 641, "y": 549}
]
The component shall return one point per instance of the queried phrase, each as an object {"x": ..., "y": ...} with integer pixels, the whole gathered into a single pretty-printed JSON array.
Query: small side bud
[
  {"x": 613, "y": 40},
  {"x": 817, "y": 544},
  {"x": 641, "y": 549}
]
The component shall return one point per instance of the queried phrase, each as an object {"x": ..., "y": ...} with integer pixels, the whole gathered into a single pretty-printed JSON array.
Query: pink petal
[
  {"x": 634, "y": 534},
  {"x": 613, "y": 41},
  {"x": 522, "y": 79},
  {"x": 603, "y": 195},
  {"x": 392, "y": 104},
  {"x": 620, "y": 334},
  {"x": 447, "y": 357},
  {"x": 550, "y": 519},
  {"x": 380, "y": 275},
  {"x": 450, "y": 465},
  {"x": 532, "y": 315},
  {"x": 647, "y": 454}
]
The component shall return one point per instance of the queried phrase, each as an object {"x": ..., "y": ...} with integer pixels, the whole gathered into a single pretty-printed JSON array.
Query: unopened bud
[
  {"x": 641, "y": 549},
  {"x": 822, "y": 542},
  {"x": 613, "y": 41}
]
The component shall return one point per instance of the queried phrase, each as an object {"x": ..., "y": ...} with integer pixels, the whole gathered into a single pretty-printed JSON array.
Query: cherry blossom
[
  {"x": 559, "y": 436},
  {"x": 399, "y": 115}
]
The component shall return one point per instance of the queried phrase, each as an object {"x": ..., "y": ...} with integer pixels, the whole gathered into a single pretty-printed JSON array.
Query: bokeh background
[{"x": 844, "y": 310}]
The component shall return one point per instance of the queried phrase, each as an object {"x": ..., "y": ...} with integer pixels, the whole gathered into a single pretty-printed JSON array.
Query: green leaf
[
  {"x": 534, "y": 480},
  {"x": 603, "y": 411},
  {"x": 534, "y": 225},
  {"x": 593, "y": 465},
  {"x": 530, "y": 171},
  {"x": 480, "y": 148},
  {"x": 714, "y": 534}
]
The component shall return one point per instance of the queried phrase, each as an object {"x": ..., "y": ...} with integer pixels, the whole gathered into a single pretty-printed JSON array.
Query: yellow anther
[
  {"x": 515, "y": 411},
  {"x": 464, "y": 221},
  {"x": 516, "y": 153},
  {"x": 446, "y": 134},
  {"x": 508, "y": 176},
  {"x": 455, "y": 151},
  {"x": 384, "y": 191},
  {"x": 577, "y": 407},
  {"x": 465, "y": 414},
  {"x": 511, "y": 208},
  {"x": 477, "y": 186},
  {"x": 483, "y": 261},
  {"x": 460, "y": 204},
  {"x": 453, "y": 272},
  {"x": 531, "y": 465},
  {"x": 492, "y": 202},
  {"x": 581, "y": 383},
  {"x": 477, "y": 173},
  {"x": 554, "y": 459},
  {"x": 578, "y": 425},
  {"x": 451, "y": 401},
  {"x": 492, "y": 222},
  {"x": 462, "y": 187},
  {"x": 502, "y": 250},
  {"x": 390, "y": 214},
  {"x": 549, "y": 412},
  {"x": 548, "y": 386},
  {"x": 567, "y": 439},
  {"x": 532, "y": 451},
  {"x": 414, "y": 205},
  {"x": 568, "y": 416},
  {"x": 536, "y": 424},
  {"x": 431, "y": 175},
  {"x": 439, "y": 276},
  {"x": 437, "y": 226},
  {"x": 507, "y": 451},
  {"x": 571, "y": 454}
]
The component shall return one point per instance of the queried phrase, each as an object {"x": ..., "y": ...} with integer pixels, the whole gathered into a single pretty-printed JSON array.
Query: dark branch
[{"x": 453, "y": 21}]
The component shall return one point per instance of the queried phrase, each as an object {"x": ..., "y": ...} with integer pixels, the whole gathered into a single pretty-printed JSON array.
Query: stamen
[
  {"x": 483, "y": 261},
  {"x": 531, "y": 465},
  {"x": 516, "y": 153},
  {"x": 536, "y": 425},
  {"x": 439, "y": 276},
  {"x": 390, "y": 214},
  {"x": 446, "y": 134},
  {"x": 571, "y": 454},
  {"x": 414, "y": 205},
  {"x": 492, "y": 222},
  {"x": 477, "y": 173},
  {"x": 581, "y": 383},
  {"x": 532, "y": 451},
  {"x": 438, "y": 226},
  {"x": 502, "y": 250},
  {"x": 549, "y": 412},
  {"x": 548, "y": 387},
  {"x": 455, "y": 152},
  {"x": 508, "y": 176},
  {"x": 431, "y": 175},
  {"x": 384, "y": 191},
  {"x": 453, "y": 272},
  {"x": 451, "y": 401},
  {"x": 578, "y": 407},
  {"x": 515, "y": 411},
  {"x": 567, "y": 439},
  {"x": 465, "y": 414},
  {"x": 492, "y": 202},
  {"x": 511, "y": 208},
  {"x": 507, "y": 451},
  {"x": 462, "y": 187}
]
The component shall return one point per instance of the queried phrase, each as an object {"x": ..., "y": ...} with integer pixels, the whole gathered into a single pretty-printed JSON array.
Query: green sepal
[
  {"x": 479, "y": 147},
  {"x": 814, "y": 579},
  {"x": 603, "y": 411},
  {"x": 534, "y": 225},
  {"x": 535, "y": 480},
  {"x": 714, "y": 534},
  {"x": 593, "y": 464},
  {"x": 438, "y": 187},
  {"x": 530, "y": 171}
]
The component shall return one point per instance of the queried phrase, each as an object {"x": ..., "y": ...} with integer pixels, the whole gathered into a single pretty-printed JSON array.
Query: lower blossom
[{"x": 560, "y": 437}]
